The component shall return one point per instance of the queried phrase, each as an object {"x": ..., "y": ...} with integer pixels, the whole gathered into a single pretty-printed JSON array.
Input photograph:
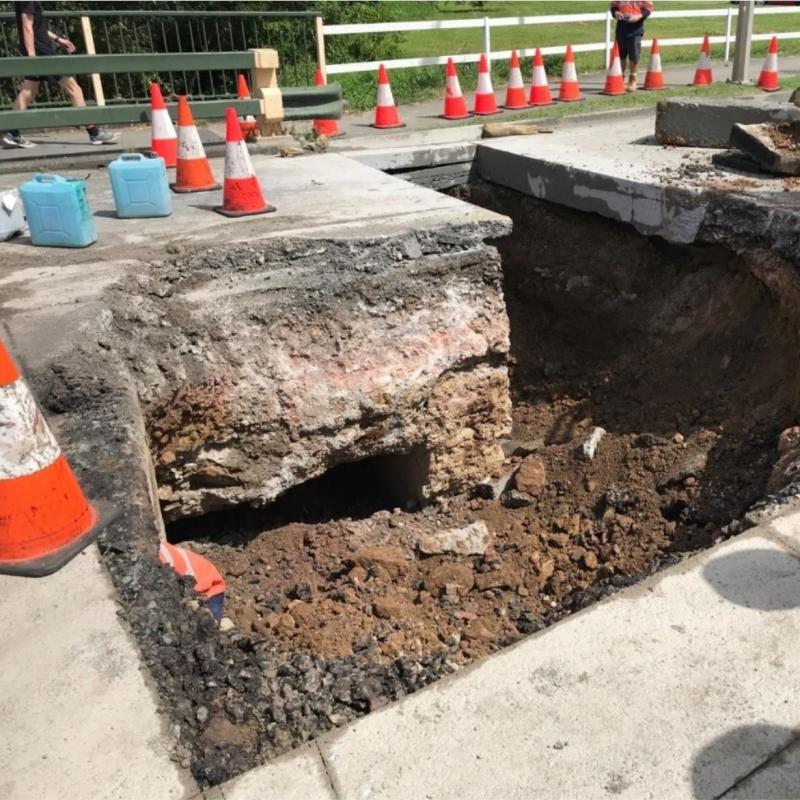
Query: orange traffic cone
[
  {"x": 484, "y": 102},
  {"x": 654, "y": 79},
  {"x": 241, "y": 193},
  {"x": 615, "y": 82},
  {"x": 386, "y": 115},
  {"x": 515, "y": 91},
  {"x": 194, "y": 172},
  {"x": 768, "y": 79},
  {"x": 325, "y": 127},
  {"x": 45, "y": 519},
  {"x": 540, "y": 90},
  {"x": 703, "y": 75},
  {"x": 248, "y": 123},
  {"x": 163, "y": 140},
  {"x": 455, "y": 106},
  {"x": 570, "y": 89}
]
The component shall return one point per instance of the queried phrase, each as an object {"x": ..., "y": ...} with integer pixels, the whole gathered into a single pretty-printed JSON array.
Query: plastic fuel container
[
  {"x": 58, "y": 211},
  {"x": 140, "y": 186}
]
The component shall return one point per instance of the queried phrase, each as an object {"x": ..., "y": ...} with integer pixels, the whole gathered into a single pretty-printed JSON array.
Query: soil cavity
[{"x": 671, "y": 360}]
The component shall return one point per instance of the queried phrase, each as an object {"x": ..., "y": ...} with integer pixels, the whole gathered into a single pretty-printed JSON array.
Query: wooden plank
[{"x": 88, "y": 40}]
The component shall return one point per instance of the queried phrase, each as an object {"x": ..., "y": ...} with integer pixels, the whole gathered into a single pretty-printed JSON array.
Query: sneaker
[
  {"x": 103, "y": 137},
  {"x": 16, "y": 140}
]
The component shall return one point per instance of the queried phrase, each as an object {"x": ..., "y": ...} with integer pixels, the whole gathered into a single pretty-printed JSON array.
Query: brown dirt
[
  {"x": 785, "y": 136},
  {"x": 679, "y": 353}
]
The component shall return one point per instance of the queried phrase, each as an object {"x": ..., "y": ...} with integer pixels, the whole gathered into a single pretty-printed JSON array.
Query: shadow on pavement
[
  {"x": 729, "y": 759},
  {"x": 768, "y": 580}
]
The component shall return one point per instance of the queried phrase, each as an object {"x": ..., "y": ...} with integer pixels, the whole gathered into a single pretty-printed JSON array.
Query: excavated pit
[{"x": 355, "y": 582}]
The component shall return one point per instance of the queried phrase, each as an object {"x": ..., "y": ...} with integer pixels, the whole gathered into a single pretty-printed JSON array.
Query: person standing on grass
[
  {"x": 630, "y": 19},
  {"x": 35, "y": 39}
]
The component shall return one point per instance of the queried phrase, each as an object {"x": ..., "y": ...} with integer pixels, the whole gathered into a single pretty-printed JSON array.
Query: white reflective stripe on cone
[
  {"x": 569, "y": 75},
  {"x": 162, "y": 125},
  {"x": 705, "y": 61},
  {"x": 771, "y": 62},
  {"x": 515, "y": 79},
  {"x": 385, "y": 98},
  {"x": 237, "y": 161},
  {"x": 186, "y": 563},
  {"x": 26, "y": 443},
  {"x": 655, "y": 63},
  {"x": 452, "y": 87},
  {"x": 484, "y": 83},
  {"x": 616, "y": 67},
  {"x": 165, "y": 555},
  {"x": 539, "y": 76},
  {"x": 189, "y": 144}
]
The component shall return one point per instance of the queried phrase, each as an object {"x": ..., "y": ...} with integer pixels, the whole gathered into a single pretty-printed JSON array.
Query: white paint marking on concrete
[
  {"x": 627, "y": 698},
  {"x": 77, "y": 717},
  {"x": 299, "y": 775}
]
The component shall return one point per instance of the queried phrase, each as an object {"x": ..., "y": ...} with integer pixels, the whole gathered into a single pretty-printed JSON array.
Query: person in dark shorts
[
  {"x": 35, "y": 39},
  {"x": 630, "y": 19}
]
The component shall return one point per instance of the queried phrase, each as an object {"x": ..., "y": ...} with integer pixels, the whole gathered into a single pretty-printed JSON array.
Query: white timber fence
[{"x": 487, "y": 23}]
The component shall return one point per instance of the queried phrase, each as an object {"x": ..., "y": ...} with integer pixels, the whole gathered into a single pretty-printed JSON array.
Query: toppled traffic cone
[
  {"x": 207, "y": 578},
  {"x": 241, "y": 193},
  {"x": 484, "y": 102},
  {"x": 194, "y": 172},
  {"x": 325, "y": 127},
  {"x": 455, "y": 106},
  {"x": 386, "y": 115},
  {"x": 247, "y": 123},
  {"x": 654, "y": 78},
  {"x": 163, "y": 139},
  {"x": 615, "y": 82},
  {"x": 44, "y": 518},
  {"x": 703, "y": 75},
  {"x": 570, "y": 89},
  {"x": 768, "y": 79},
  {"x": 515, "y": 90},
  {"x": 540, "y": 89}
]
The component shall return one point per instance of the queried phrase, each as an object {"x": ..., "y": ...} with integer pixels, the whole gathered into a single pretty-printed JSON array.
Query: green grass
[{"x": 417, "y": 84}]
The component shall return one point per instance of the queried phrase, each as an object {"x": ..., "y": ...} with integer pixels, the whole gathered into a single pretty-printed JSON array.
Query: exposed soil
[
  {"x": 785, "y": 136},
  {"x": 678, "y": 353}
]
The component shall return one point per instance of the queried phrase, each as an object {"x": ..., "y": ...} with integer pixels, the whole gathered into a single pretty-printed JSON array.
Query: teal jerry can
[
  {"x": 58, "y": 211},
  {"x": 140, "y": 186}
]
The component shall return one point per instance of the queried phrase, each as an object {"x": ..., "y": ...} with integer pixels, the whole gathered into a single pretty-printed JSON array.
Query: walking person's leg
[
  {"x": 634, "y": 54},
  {"x": 75, "y": 94},
  {"x": 27, "y": 94}
]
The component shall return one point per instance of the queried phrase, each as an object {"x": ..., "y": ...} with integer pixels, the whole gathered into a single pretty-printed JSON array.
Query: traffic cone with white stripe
[
  {"x": 325, "y": 127},
  {"x": 241, "y": 194},
  {"x": 703, "y": 75},
  {"x": 455, "y": 106},
  {"x": 768, "y": 79},
  {"x": 484, "y": 103},
  {"x": 248, "y": 123},
  {"x": 44, "y": 518},
  {"x": 540, "y": 89},
  {"x": 194, "y": 172},
  {"x": 386, "y": 115},
  {"x": 163, "y": 140},
  {"x": 615, "y": 82},
  {"x": 654, "y": 79},
  {"x": 570, "y": 89},
  {"x": 515, "y": 90}
]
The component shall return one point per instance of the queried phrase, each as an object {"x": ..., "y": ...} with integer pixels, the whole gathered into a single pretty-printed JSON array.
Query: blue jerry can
[
  {"x": 58, "y": 211},
  {"x": 140, "y": 186}
]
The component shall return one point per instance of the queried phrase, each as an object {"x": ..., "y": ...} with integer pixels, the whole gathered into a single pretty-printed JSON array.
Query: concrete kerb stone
[{"x": 706, "y": 122}]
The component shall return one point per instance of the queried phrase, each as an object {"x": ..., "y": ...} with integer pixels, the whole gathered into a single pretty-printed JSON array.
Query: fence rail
[{"x": 486, "y": 24}]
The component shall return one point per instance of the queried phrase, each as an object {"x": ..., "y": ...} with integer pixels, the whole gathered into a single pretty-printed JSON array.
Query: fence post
[
  {"x": 608, "y": 39},
  {"x": 320, "y": 37},
  {"x": 264, "y": 79},
  {"x": 88, "y": 40},
  {"x": 487, "y": 39},
  {"x": 740, "y": 73},
  {"x": 728, "y": 36}
]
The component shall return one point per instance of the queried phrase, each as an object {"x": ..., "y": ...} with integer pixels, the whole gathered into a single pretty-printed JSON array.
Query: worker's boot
[{"x": 632, "y": 82}]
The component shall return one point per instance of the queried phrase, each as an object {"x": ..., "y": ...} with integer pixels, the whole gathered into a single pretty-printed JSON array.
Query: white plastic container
[{"x": 12, "y": 214}]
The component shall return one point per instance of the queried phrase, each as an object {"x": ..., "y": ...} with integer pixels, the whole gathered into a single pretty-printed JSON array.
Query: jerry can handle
[
  {"x": 131, "y": 157},
  {"x": 48, "y": 177}
]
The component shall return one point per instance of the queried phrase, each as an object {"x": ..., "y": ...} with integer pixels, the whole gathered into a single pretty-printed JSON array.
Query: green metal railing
[
  {"x": 300, "y": 103},
  {"x": 135, "y": 32}
]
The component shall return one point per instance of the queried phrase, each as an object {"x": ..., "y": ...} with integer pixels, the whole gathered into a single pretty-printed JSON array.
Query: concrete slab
[
  {"x": 299, "y": 775},
  {"x": 89, "y": 725},
  {"x": 779, "y": 779},
  {"x": 626, "y": 698}
]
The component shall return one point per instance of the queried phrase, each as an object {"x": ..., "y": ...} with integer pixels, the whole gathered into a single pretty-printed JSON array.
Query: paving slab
[
  {"x": 624, "y": 699},
  {"x": 78, "y": 716},
  {"x": 299, "y": 775}
]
